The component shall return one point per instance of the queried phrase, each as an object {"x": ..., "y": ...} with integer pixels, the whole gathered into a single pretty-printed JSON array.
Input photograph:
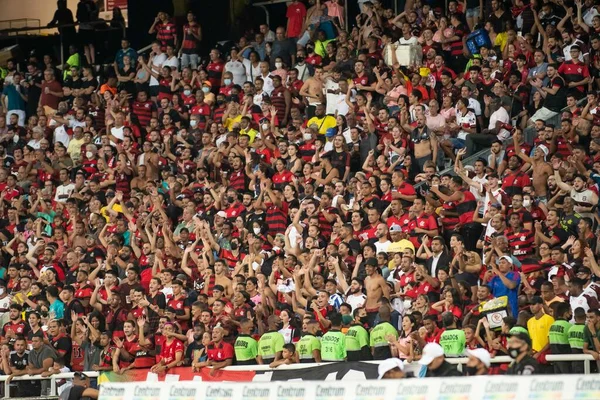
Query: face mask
[
  {"x": 227, "y": 81},
  {"x": 193, "y": 123},
  {"x": 265, "y": 127},
  {"x": 526, "y": 203},
  {"x": 187, "y": 92},
  {"x": 514, "y": 352},
  {"x": 89, "y": 154},
  {"x": 364, "y": 320},
  {"x": 205, "y": 89},
  {"x": 220, "y": 102},
  {"x": 470, "y": 371},
  {"x": 300, "y": 60},
  {"x": 307, "y": 136},
  {"x": 230, "y": 199},
  {"x": 278, "y": 65},
  {"x": 256, "y": 231},
  {"x": 234, "y": 246}
]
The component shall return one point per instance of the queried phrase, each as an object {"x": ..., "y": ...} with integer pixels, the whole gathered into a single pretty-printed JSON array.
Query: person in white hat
[
  {"x": 478, "y": 363},
  {"x": 437, "y": 366},
  {"x": 391, "y": 368}
]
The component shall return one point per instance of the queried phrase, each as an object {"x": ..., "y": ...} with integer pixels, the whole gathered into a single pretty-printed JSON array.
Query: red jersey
[{"x": 169, "y": 351}]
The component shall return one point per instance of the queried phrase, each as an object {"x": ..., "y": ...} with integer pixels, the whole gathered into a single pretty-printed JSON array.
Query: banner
[
  {"x": 554, "y": 387},
  {"x": 326, "y": 371}
]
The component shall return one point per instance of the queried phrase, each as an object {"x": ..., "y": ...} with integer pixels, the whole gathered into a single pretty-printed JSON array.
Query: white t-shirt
[
  {"x": 474, "y": 104},
  {"x": 268, "y": 84},
  {"x": 63, "y": 192},
  {"x": 61, "y": 135},
  {"x": 251, "y": 71},
  {"x": 172, "y": 63},
  {"x": 465, "y": 121},
  {"x": 500, "y": 115},
  {"x": 117, "y": 132},
  {"x": 156, "y": 65},
  {"x": 332, "y": 99},
  {"x": 238, "y": 70},
  {"x": 382, "y": 247}
]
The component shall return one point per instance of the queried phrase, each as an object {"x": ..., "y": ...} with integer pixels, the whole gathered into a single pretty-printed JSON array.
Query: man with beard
[
  {"x": 15, "y": 326},
  {"x": 514, "y": 179},
  {"x": 309, "y": 346},
  {"x": 554, "y": 95},
  {"x": 15, "y": 364},
  {"x": 584, "y": 198}
]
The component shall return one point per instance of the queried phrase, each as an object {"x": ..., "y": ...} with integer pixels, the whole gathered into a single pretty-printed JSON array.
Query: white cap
[
  {"x": 222, "y": 214},
  {"x": 507, "y": 258},
  {"x": 388, "y": 365},
  {"x": 430, "y": 352},
  {"x": 482, "y": 355}
]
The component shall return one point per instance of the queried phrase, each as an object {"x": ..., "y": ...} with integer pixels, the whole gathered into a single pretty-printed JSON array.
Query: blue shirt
[
  {"x": 499, "y": 289},
  {"x": 58, "y": 308},
  {"x": 15, "y": 101},
  {"x": 122, "y": 53}
]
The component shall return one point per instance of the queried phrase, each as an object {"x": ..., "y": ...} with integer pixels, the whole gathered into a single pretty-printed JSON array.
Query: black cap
[{"x": 521, "y": 336}]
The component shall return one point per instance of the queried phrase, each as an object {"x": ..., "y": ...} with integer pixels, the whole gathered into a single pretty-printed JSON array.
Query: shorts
[
  {"x": 473, "y": 12},
  {"x": 153, "y": 91},
  {"x": 457, "y": 143}
]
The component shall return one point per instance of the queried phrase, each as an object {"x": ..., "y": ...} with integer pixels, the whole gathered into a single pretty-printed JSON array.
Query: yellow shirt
[
  {"x": 323, "y": 123},
  {"x": 251, "y": 133},
  {"x": 538, "y": 331},
  {"x": 232, "y": 121}
]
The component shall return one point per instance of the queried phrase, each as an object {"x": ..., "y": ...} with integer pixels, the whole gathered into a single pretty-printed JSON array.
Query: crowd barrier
[
  {"x": 324, "y": 372},
  {"x": 563, "y": 387}
]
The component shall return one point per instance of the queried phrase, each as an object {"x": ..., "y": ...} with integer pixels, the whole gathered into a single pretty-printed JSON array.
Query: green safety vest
[
  {"x": 306, "y": 345},
  {"x": 577, "y": 337},
  {"x": 379, "y": 333},
  {"x": 246, "y": 348},
  {"x": 357, "y": 337},
  {"x": 270, "y": 344},
  {"x": 333, "y": 346},
  {"x": 453, "y": 342}
]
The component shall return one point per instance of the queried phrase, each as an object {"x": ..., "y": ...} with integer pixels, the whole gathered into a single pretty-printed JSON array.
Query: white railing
[
  {"x": 52, "y": 379},
  {"x": 414, "y": 367}
]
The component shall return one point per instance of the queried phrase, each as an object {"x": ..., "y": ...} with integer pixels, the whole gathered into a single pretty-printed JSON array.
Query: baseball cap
[
  {"x": 482, "y": 355},
  {"x": 521, "y": 336},
  {"x": 207, "y": 83},
  {"x": 222, "y": 214},
  {"x": 431, "y": 351},
  {"x": 507, "y": 258},
  {"x": 388, "y": 365},
  {"x": 395, "y": 228},
  {"x": 330, "y": 132}
]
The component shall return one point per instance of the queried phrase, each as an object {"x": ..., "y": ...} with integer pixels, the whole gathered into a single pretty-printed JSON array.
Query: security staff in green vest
[
  {"x": 380, "y": 346},
  {"x": 309, "y": 345},
  {"x": 576, "y": 338},
  {"x": 357, "y": 337},
  {"x": 591, "y": 335},
  {"x": 271, "y": 343},
  {"x": 246, "y": 347},
  {"x": 558, "y": 336},
  {"x": 333, "y": 343},
  {"x": 453, "y": 340}
]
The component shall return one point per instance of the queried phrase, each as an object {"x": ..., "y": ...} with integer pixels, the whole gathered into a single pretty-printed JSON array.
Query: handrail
[{"x": 51, "y": 378}]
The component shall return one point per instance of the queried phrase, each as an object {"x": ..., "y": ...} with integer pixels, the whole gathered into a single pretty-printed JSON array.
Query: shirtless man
[
  {"x": 222, "y": 279},
  {"x": 376, "y": 289},
  {"x": 425, "y": 142},
  {"x": 541, "y": 169},
  {"x": 312, "y": 90}
]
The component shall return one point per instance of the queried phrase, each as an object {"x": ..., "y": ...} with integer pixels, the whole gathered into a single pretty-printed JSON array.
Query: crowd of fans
[{"x": 282, "y": 201}]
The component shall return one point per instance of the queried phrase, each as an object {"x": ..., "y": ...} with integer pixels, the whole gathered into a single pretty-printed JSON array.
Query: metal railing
[
  {"x": 20, "y": 23},
  {"x": 51, "y": 378}
]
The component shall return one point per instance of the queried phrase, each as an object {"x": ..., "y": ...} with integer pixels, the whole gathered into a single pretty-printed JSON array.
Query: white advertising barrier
[{"x": 551, "y": 387}]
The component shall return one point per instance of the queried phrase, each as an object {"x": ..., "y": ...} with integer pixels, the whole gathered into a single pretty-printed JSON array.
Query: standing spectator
[{"x": 192, "y": 36}]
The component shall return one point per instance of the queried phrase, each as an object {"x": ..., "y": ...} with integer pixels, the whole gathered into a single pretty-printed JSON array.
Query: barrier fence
[
  {"x": 229, "y": 374},
  {"x": 563, "y": 387}
]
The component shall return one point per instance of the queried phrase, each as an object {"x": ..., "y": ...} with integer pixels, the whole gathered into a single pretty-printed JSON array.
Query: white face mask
[
  {"x": 205, "y": 89},
  {"x": 307, "y": 136},
  {"x": 193, "y": 123},
  {"x": 278, "y": 65},
  {"x": 89, "y": 154},
  {"x": 256, "y": 231},
  {"x": 265, "y": 127},
  {"x": 526, "y": 203},
  {"x": 187, "y": 92}
]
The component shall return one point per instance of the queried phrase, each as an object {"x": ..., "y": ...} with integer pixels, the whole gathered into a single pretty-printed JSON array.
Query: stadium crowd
[{"x": 283, "y": 200}]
